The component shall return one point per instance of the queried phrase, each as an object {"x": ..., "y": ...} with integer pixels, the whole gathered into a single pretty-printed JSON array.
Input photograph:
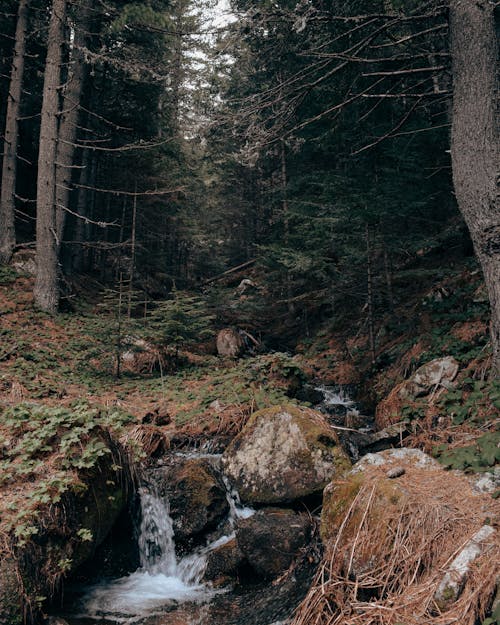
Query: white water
[
  {"x": 161, "y": 579},
  {"x": 334, "y": 397}
]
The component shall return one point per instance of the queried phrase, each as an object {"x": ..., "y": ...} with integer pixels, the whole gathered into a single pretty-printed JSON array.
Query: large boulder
[
  {"x": 283, "y": 454},
  {"x": 196, "y": 494},
  {"x": 271, "y": 539},
  {"x": 427, "y": 379},
  {"x": 431, "y": 376},
  {"x": 67, "y": 534},
  {"x": 230, "y": 344},
  {"x": 403, "y": 534}
]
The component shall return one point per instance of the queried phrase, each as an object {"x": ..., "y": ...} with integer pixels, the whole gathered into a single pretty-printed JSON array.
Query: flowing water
[{"x": 162, "y": 580}]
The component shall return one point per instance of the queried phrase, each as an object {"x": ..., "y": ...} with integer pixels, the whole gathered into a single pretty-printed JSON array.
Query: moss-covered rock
[
  {"x": 284, "y": 453},
  {"x": 389, "y": 495},
  {"x": 196, "y": 495},
  {"x": 10, "y": 593},
  {"x": 67, "y": 534}
]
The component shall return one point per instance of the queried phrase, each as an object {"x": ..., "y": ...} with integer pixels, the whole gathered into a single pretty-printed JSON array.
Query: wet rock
[
  {"x": 196, "y": 494},
  {"x": 451, "y": 585},
  {"x": 271, "y": 539},
  {"x": 309, "y": 393},
  {"x": 10, "y": 593},
  {"x": 224, "y": 560},
  {"x": 230, "y": 344},
  {"x": 283, "y": 454}
]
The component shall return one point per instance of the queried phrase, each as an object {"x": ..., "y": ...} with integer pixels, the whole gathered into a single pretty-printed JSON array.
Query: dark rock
[
  {"x": 196, "y": 494},
  {"x": 271, "y": 539},
  {"x": 310, "y": 394},
  {"x": 159, "y": 416},
  {"x": 223, "y": 560},
  {"x": 283, "y": 454}
]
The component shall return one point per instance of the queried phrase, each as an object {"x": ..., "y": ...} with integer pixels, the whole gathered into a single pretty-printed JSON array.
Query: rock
[
  {"x": 451, "y": 585},
  {"x": 396, "y": 472},
  {"x": 309, "y": 393},
  {"x": 438, "y": 372},
  {"x": 361, "y": 443},
  {"x": 417, "y": 523},
  {"x": 429, "y": 377},
  {"x": 93, "y": 506},
  {"x": 230, "y": 344},
  {"x": 245, "y": 285},
  {"x": 11, "y": 608},
  {"x": 24, "y": 261},
  {"x": 223, "y": 560},
  {"x": 283, "y": 454},
  {"x": 196, "y": 494},
  {"x": 271, "y": 539}
]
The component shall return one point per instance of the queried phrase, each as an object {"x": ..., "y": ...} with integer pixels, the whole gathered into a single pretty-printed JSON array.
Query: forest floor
[{"x": 62, "y": 363}]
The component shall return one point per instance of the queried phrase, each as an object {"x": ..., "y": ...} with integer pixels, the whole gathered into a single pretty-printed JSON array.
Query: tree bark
[
  {"x": 9, "y": 167},
  {"x": 474, "y": 140},
  {"x": 46, "y": 290},
  {"x": 68, "y": 121}
]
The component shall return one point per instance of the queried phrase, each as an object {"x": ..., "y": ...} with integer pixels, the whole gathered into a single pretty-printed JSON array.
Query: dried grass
[{"x": 385, "y": 563}]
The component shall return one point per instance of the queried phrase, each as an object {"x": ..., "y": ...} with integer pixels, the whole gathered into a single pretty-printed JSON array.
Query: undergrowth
[{"x": 44, "y": 448}]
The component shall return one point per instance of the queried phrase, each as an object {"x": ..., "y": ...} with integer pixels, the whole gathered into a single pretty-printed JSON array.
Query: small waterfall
[
  {"x": 160, "y": 580},
  {"x": 156, "y": 535}
]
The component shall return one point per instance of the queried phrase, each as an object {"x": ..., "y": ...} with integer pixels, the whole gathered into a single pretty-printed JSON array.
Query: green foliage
[
  {"x": 179, "y": 322},
  {"x": 475, "y": 401},
  {"x": 71, "y": 437},
  {"x": 8, "y": 275},
  {"x": 251, "y": 384},
  {"x": 478, "y": 457}
]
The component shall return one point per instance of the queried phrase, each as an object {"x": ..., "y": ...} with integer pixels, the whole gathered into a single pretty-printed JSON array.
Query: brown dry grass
[{"x": 385, "y": 571}]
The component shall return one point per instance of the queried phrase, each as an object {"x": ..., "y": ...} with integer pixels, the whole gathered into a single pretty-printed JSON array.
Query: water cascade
[{"x": 162, "y": 579}]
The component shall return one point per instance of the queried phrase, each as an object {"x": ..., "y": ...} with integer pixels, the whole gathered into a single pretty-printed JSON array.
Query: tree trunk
[
  {"x": 474, "y": 140},
  {"x": 46, "y": 290},
  {"x": 68, "y": 121},
  {"x": 9, "y": 168}
]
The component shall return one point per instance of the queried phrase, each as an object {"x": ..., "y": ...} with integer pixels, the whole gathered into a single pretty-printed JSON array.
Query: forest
[{"x": 249, "y": 312}]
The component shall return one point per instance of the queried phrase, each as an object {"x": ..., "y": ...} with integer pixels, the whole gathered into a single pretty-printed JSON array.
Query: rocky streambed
[{"x": 296, "y": 519}]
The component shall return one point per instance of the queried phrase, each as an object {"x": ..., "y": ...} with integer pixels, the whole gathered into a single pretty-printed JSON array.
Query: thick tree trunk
[
  {"x": 474, "y": 140},
  {"x": 9, "y": 168},
  {"x": 68, "y": 122},
  {"x": 46, "y": 290}
]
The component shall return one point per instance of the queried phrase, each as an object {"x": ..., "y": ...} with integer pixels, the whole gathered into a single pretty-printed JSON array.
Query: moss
[
  {"x": 340, "y": 495},
  {"x": 10, "y": 593},
  {"x": 278, "y": 459}
]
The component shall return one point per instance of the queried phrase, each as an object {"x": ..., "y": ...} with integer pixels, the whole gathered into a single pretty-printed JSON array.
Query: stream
[{"x": 168, "y": 589}]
